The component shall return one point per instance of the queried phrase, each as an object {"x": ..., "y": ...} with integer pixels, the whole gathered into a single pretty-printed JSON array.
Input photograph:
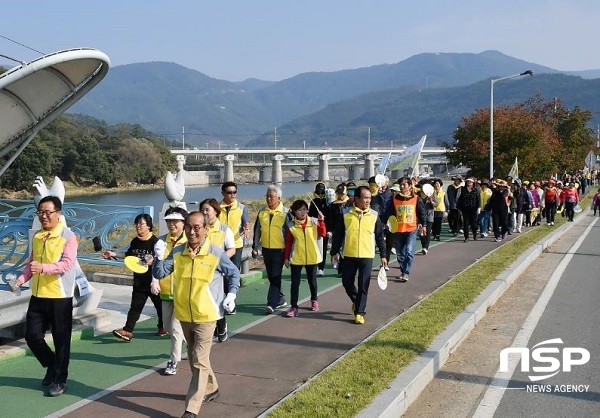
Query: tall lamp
[{"x": 528, "y": 72}]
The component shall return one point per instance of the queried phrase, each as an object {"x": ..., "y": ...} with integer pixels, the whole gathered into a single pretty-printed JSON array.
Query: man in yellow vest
[
  {"x": 53, "y": 256},
  {"x": 361, "y": 230},
  {"x": 270, "y": 230},
  {"x": 197, "y": 270},
  {"x": 235, "y": 215}
]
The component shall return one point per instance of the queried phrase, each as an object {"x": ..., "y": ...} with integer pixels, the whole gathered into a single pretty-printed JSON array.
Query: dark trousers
[
  {"x": 454, "y": 220},
  {"x": 389, "y": 243},
  {"x": 358, "y": 295},
  {"x": 274, "y": 265},
  {"x": 237, "y": 258},
  {"x": 500, "y": 223},
  {"x": 139, "y": 296},
  {"x": 296, "y": 276},
  {"x": 438, "y": 218},
  {"x": 469, "y": 221},
  {"x": 42, "y": 314},
  {"x": 550, "y": 211},
  {"x": 426, "y": 239},
  {"x": 569, "y": 206}
]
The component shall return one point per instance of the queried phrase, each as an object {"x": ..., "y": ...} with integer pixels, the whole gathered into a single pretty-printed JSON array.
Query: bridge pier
[
  {"x": 228, "y": 174},
  {"x": 324, "y": 167},
  {"x": 309, "y": 173},
  {"x": 263, "y": 175},
  {"x": 353, "y": 173},
  {"x": 369, "y": 165},
  {"x": 277, "y": 174}
]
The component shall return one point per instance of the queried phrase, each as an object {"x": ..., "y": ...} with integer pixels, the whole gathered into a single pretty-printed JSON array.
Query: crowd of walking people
[{"x": 192, "y": 272}]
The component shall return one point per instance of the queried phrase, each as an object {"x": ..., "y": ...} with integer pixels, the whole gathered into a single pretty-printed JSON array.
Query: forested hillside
[{"x": 88, "y": 151}]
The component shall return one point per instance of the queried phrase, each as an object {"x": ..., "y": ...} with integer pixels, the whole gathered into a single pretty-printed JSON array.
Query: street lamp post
[{"x": 528, "y": 72}]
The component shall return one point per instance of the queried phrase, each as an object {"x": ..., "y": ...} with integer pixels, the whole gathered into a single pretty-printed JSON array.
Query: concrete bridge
[{"x": 359, "y": 163}]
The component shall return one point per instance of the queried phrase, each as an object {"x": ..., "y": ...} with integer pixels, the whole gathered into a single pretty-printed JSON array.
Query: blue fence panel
[{"x": 110, "y": 223}]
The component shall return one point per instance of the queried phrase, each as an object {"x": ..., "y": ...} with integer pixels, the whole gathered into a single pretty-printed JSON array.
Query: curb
[
  {"x": 18, "y": 349},
  {"x": 408, "y": 385}
]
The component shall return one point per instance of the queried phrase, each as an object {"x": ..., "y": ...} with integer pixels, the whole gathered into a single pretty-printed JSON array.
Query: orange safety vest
[{"x": 406, "y": 214}]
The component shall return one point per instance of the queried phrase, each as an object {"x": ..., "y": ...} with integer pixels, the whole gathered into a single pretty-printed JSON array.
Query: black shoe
[
  {"x": 467, "y": 239},
  {"x": 49, "y": 378},
  {"x": 232, "y": 312},
  {"x": 188, "y": 414},
  {"x": 211, "y": 396},
  {"x": 222, "y": 334},
  {"x": 475, "y": 237},
  {"x": 57, "y": 389}
]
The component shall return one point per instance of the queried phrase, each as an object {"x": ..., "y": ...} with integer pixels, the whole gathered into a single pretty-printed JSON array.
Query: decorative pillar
[
  {"x": 228, "y": 174},
  {"x": 277, "y": 175},
  {"x": 324, "y": 167}
]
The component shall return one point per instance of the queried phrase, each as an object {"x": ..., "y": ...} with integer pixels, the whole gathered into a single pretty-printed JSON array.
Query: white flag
[
  {"x": 407, "y": 158},
  {"x": 514, "y": 171}
]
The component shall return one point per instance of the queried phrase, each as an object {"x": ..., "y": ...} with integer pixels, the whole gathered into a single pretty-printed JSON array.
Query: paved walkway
[{"x": 266, "y": 359}]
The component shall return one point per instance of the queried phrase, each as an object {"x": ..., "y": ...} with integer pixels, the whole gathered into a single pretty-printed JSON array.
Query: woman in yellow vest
[
  {"x": 302, "y": 243},
  {"x": 175, "y": 219},
  {"x": 439, "y": 210},
  {"x": 221, "y": 235}
]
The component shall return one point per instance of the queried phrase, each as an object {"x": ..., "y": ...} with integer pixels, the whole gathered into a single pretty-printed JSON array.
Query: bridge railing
[{"x": 111, "y": 224}]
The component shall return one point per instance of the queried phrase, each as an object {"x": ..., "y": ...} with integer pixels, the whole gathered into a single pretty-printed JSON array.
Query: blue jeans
[
  {"x": 484, "y": 221},
  {"x": 404, "y": 242}
]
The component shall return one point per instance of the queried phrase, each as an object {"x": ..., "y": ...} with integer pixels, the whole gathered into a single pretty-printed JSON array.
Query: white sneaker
[
  {"x": 393, "y": 250},
  {"x": 320, "y": 272},
  {"x": 424, "y": 251},
  {"x": 387, "y": 268},
  {"x": 171, "y": 368}
]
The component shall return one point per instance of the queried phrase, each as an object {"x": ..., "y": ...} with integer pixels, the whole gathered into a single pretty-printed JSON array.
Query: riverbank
[{"x": 74, "y": 190}]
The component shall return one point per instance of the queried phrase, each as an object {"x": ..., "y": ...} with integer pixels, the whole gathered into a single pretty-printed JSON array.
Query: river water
[{"x": 193, "y": 195}]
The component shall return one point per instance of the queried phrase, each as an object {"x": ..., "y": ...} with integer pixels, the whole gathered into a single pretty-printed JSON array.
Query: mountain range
[{"x": 395, "y": 103}]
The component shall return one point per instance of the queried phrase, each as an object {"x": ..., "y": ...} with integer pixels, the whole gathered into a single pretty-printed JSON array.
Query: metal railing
[{"x": 111, "y": 225}]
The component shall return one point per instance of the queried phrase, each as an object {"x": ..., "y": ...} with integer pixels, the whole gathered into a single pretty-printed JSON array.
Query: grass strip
[{"x": 352, "y": 383}]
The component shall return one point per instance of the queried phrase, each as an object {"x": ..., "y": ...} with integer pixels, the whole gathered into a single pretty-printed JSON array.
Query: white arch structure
[{"x": 33, "y": 94}]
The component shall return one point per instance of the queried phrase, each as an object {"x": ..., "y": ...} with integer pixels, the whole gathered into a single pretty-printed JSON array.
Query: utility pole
[
  {"x": 183, "y": 137},
  {"x": 369, "y": 138},
  {"x": 275, "y": 137}
]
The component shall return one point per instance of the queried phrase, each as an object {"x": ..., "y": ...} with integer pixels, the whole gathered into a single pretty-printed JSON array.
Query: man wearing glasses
[
  {"x": 53, "y": 256},
  {"x": 197, "y": 270},
  {"x": 235, "y": 215}
]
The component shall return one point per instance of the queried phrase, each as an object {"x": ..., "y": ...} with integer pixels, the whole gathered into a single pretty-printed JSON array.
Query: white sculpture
[
  {"x": 174, "y": 188},
  {"x": 40, "y": 190}
]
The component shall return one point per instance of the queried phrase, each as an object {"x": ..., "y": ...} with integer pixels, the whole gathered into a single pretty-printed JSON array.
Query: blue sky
[{"x": 277, "y": 39}]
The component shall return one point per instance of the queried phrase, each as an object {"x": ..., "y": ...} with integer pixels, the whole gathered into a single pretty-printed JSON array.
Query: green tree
[
  {"x": 37, "y": 159},
  {"x": 139, "y": 161},
  {"x": 535, "y": 132}
]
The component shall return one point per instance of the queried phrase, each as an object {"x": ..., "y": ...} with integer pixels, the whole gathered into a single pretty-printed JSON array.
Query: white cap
[{"x": 175, "y": 215}]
